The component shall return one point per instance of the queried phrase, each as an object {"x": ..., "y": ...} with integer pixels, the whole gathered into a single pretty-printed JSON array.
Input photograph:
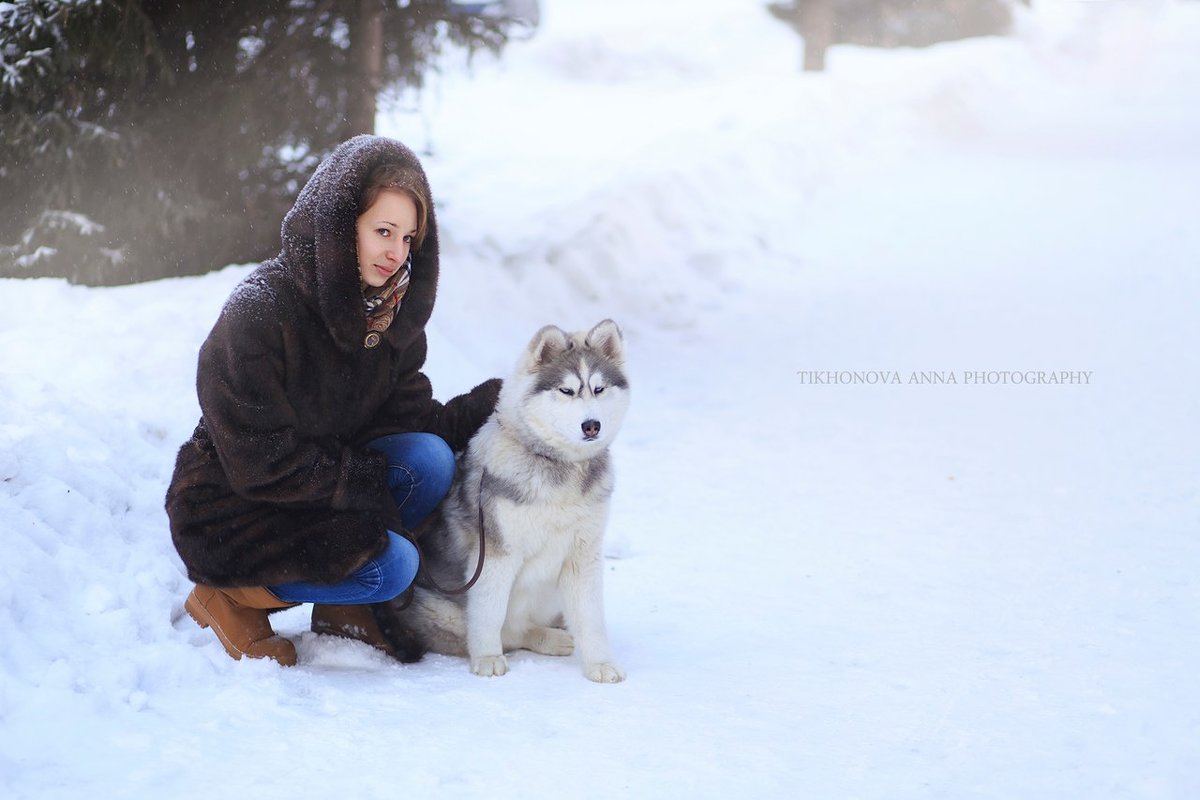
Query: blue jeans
[{"x": 420, "y": 471}]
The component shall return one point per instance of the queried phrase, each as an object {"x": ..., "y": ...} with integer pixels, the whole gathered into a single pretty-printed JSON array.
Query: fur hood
[{"x": 319, "y": 244}]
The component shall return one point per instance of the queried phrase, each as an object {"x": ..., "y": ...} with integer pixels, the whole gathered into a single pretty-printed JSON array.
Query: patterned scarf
[{"x": 382, "y": 304}]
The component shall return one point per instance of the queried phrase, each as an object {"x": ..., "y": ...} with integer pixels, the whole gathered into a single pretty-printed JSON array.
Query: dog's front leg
[
  {"x": 487, "y": 606},
  {"x": 582, "y": 585}
]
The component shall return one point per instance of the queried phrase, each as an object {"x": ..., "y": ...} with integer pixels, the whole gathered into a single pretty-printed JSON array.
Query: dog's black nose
[{"x": 591, "y": 429}]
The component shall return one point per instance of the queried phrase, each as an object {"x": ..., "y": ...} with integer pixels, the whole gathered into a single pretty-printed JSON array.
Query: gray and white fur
[{"x": 537, "y": 476}]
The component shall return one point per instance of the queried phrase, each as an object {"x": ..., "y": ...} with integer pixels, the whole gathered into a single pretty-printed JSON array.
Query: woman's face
[{"x": 385, "y": 234}]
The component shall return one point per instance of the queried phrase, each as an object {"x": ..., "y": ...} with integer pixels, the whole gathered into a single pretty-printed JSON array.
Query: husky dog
[{"x": 535, "y": 483}]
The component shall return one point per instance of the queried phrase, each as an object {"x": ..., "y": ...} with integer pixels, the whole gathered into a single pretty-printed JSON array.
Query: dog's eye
[
  {"x": 598, "y": 390},
  {"x": 567, "y": 392}
]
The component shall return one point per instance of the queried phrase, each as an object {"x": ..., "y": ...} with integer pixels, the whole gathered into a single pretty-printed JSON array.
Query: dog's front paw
[
  {"x": 604, "y": 672},
  {"x": 489, "y": 666}
]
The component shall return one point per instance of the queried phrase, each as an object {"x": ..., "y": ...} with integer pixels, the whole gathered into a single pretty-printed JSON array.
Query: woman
[{"x": 319, "y": 439}]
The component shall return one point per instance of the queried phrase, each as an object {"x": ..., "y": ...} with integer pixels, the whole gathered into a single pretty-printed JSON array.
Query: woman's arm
[
  {"x": 458, "y": 419},
  {"x": 411, "y": 406}
]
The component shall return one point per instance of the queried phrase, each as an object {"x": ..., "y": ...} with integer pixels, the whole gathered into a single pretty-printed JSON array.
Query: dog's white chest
[{"x": 547, "y": 527}]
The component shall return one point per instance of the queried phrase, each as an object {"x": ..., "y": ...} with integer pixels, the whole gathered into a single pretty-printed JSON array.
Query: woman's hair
[{"x": 397, "y": 177}]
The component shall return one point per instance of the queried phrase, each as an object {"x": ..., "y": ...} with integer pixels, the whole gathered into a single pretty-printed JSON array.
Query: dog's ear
[
  {"x": 606, "y": 339},
  {"x": 547, "y": 343}
]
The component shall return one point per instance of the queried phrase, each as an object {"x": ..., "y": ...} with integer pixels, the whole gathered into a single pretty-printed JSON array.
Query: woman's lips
[{"x": 385, "y": 270}]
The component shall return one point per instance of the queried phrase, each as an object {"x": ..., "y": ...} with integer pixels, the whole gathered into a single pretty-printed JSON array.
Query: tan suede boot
[
  {"x": 350, "y": 622},
  {"x": 239, "y": 618}
]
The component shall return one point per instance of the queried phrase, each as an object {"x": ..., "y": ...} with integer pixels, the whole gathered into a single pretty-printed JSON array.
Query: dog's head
[{"x": 569, "y": 392}]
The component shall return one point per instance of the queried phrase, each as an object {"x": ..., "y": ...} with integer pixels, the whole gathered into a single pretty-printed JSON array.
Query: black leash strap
[{"x": 478, "y": 565}]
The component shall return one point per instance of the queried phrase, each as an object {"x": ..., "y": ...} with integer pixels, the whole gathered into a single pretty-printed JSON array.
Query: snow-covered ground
[{"x": 842, "y": 589}]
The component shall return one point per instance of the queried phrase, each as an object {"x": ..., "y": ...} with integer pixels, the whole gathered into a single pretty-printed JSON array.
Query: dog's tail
[{"x": 420, "y": 623}]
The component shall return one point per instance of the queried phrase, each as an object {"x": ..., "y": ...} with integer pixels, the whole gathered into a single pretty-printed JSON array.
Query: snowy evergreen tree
[
  {"x": 140, "y": 139},
  {"x": 889, "y": 23}
]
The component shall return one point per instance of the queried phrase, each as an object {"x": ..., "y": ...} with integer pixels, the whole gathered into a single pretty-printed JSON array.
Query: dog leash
[{"x": 478, "y": 565}]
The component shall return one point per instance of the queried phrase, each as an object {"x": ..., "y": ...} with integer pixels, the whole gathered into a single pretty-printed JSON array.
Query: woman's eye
[
  {"x": 384, "y": 232},
  {"x": 408, "y": 239},
  {"x": 567, "y": 392}
]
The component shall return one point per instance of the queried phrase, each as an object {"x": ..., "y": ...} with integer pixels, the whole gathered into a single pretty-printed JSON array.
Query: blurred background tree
[
  {"x": 889, "y": 23},
  {"x": 152, "y": 138}
]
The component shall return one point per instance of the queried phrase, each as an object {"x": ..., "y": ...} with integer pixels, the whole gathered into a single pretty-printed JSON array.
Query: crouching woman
[{"x": 319, "y": 440}]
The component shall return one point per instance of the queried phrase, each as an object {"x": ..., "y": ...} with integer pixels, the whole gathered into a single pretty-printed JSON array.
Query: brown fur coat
[{"x": 276, "y": 483}]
